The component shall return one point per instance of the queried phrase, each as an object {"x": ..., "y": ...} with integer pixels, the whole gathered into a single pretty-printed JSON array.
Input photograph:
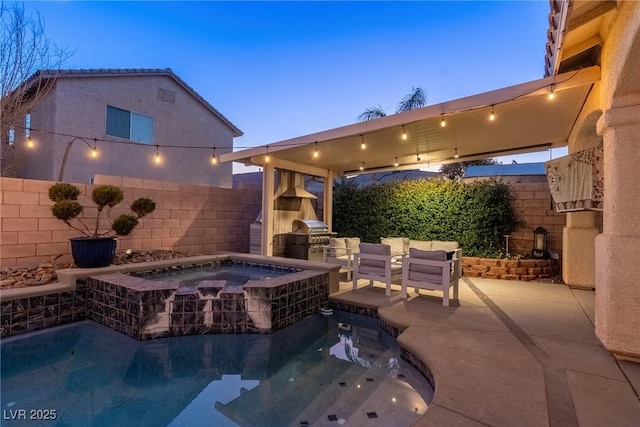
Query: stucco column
[
  {"x": 267, "y": 209},
  {"x": 618, "y": 247},
  {"x": 578, "y": 248}
]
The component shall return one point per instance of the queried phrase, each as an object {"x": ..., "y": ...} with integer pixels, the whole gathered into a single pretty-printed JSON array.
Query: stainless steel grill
[{"x": 307, "y": 239}]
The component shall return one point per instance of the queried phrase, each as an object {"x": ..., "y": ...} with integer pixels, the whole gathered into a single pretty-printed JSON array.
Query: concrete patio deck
[{"x": 510, "y": 353}]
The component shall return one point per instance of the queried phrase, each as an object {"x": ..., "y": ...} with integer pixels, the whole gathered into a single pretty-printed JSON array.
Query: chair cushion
[
  {"x": 337, "y": 242},
  {"x": 438, "y": 245},
  {"x": 373, "y": 249},
  {"x": 396, "y": 244},
  {"x": 424, "y": 245},
  {"x": 353, "y": 243},
  {"x": 425, "y": 277},
  {"x": 430, "y": 255}
]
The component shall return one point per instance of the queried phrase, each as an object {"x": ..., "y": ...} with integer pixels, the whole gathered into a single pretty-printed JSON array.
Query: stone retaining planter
[{"x": 524, "y": 269}]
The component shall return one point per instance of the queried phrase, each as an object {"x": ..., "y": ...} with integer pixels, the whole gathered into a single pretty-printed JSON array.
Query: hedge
[{"x": 477, "y": 215}]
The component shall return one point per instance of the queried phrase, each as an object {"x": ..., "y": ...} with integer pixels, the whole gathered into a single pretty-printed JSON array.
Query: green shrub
[
  {"x": 143, "y": 206},
  {"x": 63, "y": 191},
  {"x": 124, "y": 224},
  {"x": 106, "y": 195},
  {"x": 477, "y": 215},
  {"x": 67, "y": 209}
]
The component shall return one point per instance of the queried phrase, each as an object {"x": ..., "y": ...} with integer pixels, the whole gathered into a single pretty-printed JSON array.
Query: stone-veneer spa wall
[
  {"x": 524, "y": 269},
  {"x": 34, "y": 313},
  {"x": 145, "y": 309}
]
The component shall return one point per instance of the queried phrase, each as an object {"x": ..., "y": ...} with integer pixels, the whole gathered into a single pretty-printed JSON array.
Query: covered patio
[
  {"x": 529, "y": 117},
  {"x": 592, "y": 68}
]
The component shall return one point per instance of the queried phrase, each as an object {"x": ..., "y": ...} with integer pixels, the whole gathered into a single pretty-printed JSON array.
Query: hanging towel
[{"x": 576, "y": 180}]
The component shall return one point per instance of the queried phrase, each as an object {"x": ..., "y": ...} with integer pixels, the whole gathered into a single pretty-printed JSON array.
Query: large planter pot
[{"x": 93, "y": 252}]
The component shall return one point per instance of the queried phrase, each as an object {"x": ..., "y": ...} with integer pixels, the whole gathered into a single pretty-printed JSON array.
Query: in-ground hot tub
[{"x": 226, "y": 294}]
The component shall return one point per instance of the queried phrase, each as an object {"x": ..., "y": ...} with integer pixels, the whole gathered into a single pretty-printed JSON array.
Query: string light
[
  {"x": 316, "y": 153},
  {"x": 455, "y": 156},
  {"x": 94, "y": 150},
  {"x": 418, "y": 157},
  {"x": 30, "y": 143},
  {"x": 395, "y": 163},
  {"x": 267, "y": 157},
  {"x": 362, "y": 166},
  {"x": 214, "y": 159}
]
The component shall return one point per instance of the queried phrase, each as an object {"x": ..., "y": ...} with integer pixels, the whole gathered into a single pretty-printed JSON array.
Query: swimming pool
[{"x": 325, "y": 370}]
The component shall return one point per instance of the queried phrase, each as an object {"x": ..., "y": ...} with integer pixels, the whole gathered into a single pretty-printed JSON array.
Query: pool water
[
  {"x": 325, "y": 370},
  {"x": 234, "y": 275}
]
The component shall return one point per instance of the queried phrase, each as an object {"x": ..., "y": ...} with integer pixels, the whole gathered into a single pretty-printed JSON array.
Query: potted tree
[{"x": 96, "y": 247}]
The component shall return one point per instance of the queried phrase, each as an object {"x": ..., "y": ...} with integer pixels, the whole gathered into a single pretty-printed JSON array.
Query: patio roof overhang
[{"x": 526, "y": 120}]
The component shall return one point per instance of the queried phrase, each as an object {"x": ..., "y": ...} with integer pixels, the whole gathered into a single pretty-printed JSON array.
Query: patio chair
[
  {"x": 374, "y": 262},
  {"x": 340, "y": 251},
  {"x": 431, "y": 270}
]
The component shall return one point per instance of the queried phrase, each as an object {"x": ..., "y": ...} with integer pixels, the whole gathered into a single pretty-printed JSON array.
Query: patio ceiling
[{"x": 526, "y": 120}]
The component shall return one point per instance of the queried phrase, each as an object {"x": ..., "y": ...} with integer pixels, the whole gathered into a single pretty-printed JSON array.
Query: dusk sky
[{"x": 279, "y": 70}]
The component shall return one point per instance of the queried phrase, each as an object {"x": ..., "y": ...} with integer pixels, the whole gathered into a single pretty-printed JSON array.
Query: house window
[
  {"x": 129, "y": 125},
  {"x": 12, "y": 135}
]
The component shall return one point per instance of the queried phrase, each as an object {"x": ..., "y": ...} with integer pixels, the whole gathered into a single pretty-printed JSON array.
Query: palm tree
[
  {"x": 372, "y": 113},
  {"x": 416, "y": 99}
]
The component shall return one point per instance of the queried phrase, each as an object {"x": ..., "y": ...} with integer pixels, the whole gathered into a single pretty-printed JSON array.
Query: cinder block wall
[
  {"x": 533, "y": 204},
  {"x": 188, "y": 218}
]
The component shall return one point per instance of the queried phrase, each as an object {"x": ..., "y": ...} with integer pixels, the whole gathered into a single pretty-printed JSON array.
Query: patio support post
[
  {"x": 578, "y": 249},
  {"x": 618, "y": 247},
  {"x": 267, "y": 208},
  {"x": 328, "y": 200}
]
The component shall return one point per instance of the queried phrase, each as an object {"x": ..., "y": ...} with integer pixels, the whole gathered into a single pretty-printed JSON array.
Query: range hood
[{"x": 296, "y": 191}]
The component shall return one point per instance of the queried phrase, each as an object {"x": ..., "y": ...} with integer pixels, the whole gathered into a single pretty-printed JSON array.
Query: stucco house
[{"x": 128, "y": 116}]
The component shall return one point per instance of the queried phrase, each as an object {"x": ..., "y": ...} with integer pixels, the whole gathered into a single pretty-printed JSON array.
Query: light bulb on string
[
  {"x": 552, "y": 94},
  {"x": 443, "y": 122},
  {"x": 395, "y": 163},
  {"x": 418, "y": 157},
  {"x": 214, "y": 159},
  {"x": 362, "y": 166},
  {"x": 404, "y": 133},
  {"x": 29, "y": 143},
  {"x": 456, "y": 155},
  {"x": 316, "y": 153},
  {"x": 492, "y": 116},
  {"x": 267, "y": 157},
  {"x": 362, "y": 144},
  {"x": 94, "y": 150},
  {"x": 157, "y": 159}
]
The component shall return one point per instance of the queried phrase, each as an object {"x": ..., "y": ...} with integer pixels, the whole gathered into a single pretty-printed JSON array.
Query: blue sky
[{"x": 279, "y": 70}]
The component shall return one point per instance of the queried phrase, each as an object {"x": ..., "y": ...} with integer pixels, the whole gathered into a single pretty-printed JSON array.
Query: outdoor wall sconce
[{"x": 539, "y": 243}]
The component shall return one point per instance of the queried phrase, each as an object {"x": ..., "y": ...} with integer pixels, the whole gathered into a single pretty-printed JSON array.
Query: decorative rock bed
[{"x": 524, "y": 269}]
